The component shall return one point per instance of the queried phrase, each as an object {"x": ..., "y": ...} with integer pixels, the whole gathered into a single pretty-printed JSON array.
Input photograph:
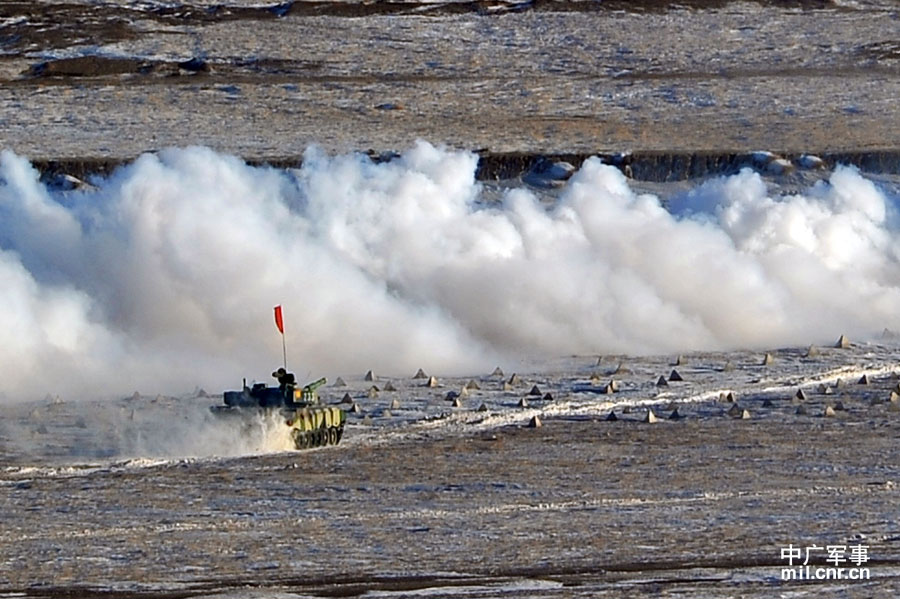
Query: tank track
[
  {"x": 316, "y": 426},
  {"x": 317, "y": 438}
]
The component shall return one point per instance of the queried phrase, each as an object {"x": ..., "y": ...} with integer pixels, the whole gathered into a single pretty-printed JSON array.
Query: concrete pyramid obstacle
[
  {"x": 675, "y": 415},
  {"x": 812, "y": 352},
  {"x": 609, "y": 389},
  {"x": 507, "y": 386},
  {"x": 621, "y": 369},
  {"x": 627, "y": 410},
  {"x": 547, "y": 396},
  {"x": 372, "y": 392},
  {"x": 842, "y": 343},
  {"x": 674, "y": 376},
  {"x": 680, "y": 361},
  {"x": 457, "y": 403},
  {"x": 497, "y": 372},
  {"x": 339, "y": 382},
  {"x": 472, "y": 385},
  {"x": 745, "y": 414},
  {"x": 895, "y": 397},
  {"x": 839, "y": 406},
  {"x": 347, "y": 399},
  {"x": 821, "y": 388},
  {"x": 662, "y": 382},
  {"x": 614, "y": 385},
  {"x": 355, "y": 409},
  {"x": 431, "y": 382},
  {"x": 864, "y": 380},
  {"x": 514, "y": 379},
  {"x": 650, "y": 417},
  {"x": 523, "y": 403},
  {"x": 464, "y": 392},
  {"x": 767, "y": 403},
  {"x": 390, "y": 386},
  {"x": 728, "y": 367},
  {"x": 800, "y": 394},
  {"x": 839, "y": 384},
  {"x": 395, "y": 404},
  {"x": 595, "y": 379},
  {"x": 768, "y": 360},
  {"x": 729, "y": 397},
  {"x": 801, "y": 410},
  {"x": 420, "y": 374},
  {"x": 535, "y": 391},
  {"x": 370, "y": 376},
  {"x": 535, "y": 422},
  {"x": 387, "y": 414},
  {"x": 483, "y": 407},
  {"x": 829, "y": 412},
  {"x": 827, "y": 391},
  {"x": 611, "y": 417},
  {"x": 735, "y": 411}
]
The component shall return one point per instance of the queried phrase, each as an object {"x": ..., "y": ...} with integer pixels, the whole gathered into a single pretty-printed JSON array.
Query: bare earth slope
[{"x": 116, "y": 79}]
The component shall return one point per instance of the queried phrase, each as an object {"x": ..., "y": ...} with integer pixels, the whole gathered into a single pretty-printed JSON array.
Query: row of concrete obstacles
[
  {"x": 650, "y": 417},
  {"x": 455, "y": 397},
  {"x": 535, "y": 394},
  {"x": 830, "y": 410},
  {"x": 736, "y": 411},
  {"x": 767, "y": 360},
  {"x": 419, "y": 375},
  {"x": 431, "y": 381}
]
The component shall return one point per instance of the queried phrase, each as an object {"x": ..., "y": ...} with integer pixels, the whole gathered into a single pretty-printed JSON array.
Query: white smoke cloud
[{"x": 164, "y": 278}]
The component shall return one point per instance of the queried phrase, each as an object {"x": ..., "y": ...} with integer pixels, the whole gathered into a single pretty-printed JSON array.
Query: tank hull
[{"x": 311, "y": 424}]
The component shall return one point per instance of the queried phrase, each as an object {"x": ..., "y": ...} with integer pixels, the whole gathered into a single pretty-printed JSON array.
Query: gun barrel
[{"x": 315, "y": 384}]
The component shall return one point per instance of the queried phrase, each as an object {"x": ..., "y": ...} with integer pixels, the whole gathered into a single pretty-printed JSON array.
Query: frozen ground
[
  {"x": 88, "y": 79},
  {"x": 162, "y": 277},
  {"x": 423, "y": 498}
]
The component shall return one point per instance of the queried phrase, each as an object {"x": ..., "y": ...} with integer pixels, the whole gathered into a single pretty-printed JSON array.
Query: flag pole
[{"x": 284, "y": 351}]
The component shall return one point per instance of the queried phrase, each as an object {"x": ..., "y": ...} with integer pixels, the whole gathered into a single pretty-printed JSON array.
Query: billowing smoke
[{"x": 163, "y": 279}]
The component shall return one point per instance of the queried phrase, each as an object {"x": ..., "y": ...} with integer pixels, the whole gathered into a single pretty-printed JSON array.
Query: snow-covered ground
[{"x": 425, "y": 496}]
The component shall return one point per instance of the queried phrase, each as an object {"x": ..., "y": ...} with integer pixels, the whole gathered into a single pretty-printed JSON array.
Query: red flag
[{"x": 279, "y": 320}]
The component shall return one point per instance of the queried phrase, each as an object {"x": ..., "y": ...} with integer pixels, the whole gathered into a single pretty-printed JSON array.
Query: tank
[{"x": 311, "y": 424}]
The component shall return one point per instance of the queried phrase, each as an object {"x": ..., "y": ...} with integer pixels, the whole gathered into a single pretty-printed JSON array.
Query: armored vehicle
[{"x": 311, "y": 423}]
